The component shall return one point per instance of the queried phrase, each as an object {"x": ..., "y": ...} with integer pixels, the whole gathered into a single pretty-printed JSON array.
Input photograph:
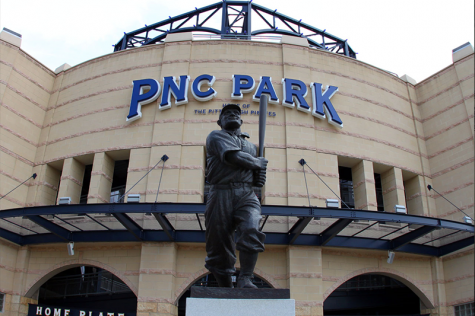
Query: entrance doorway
[
  {"x": 209, "y": 281},
  {"x": 89, "y": 288},
  {"x": 372, "y": 294}
]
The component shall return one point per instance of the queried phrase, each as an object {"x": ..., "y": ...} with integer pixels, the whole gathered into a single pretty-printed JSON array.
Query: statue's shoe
[{"x": 245, "y": 283}]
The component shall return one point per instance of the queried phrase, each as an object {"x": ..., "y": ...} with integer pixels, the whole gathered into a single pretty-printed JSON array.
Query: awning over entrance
[{"x": 331, "y": 227}]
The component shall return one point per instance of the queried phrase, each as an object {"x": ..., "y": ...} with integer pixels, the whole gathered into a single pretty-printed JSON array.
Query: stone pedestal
[{"x": 237, "y": 302}]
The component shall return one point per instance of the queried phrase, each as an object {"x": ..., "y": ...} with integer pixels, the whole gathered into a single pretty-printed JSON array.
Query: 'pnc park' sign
[
  {"x": 294, "y": 92},
  {"x": 41, "y": 310}
]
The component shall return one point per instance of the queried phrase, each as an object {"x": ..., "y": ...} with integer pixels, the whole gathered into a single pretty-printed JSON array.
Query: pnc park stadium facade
[{"x": 113, "y": 218}]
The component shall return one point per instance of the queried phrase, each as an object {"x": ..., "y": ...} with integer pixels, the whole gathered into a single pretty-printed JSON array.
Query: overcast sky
[{"x": 413, "y": 37}]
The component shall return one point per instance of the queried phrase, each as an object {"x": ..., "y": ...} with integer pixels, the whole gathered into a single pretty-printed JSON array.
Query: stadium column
[
  {"x": 157, "y": 279},
  {"x": 438, "y": 289},
  {"x": 425, "y": 204},
  {"x": 416, "y": 202},
  {"x": 101, "y": 179},
  {"x": 45, "y": 187},
  {"x": 327, "y": 169},
  {"x": 463, "y": 65},
  {"x": 21, "y": 275},
  {"x": 393, "y": 189},
  {"x": 139, "y": 165},
  {"x": 363, "y": 186},
  {"x": 71, "y": 180},
  {"x": 304, "y": 270},
  {"x": 298, "y": 126},
  {"x": 168, "y": 135}
]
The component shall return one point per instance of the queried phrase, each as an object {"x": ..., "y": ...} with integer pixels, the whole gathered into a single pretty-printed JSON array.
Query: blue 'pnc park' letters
[{"x": 294, "y": 92}]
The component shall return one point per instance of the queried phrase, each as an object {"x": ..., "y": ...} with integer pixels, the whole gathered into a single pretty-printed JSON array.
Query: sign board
[
  {"x": 43, "y": 310},
  {"x": 145, "y": 91}
]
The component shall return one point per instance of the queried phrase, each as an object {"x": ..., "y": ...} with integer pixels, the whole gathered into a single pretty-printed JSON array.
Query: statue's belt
[{"x": 233, "y": 185}]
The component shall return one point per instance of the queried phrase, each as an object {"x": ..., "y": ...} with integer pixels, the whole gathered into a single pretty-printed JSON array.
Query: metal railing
[{"x": 88, "y": 284}]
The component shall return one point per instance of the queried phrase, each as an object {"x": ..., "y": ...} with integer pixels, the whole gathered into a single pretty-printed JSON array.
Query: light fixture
[
  {"x": 467, "y": 220},
  {"x": 391, "y": 256},
  {"x": 332, "y": 203},
  {"x": 400, "y": 209},
  {"x": 71, "y": 248},
  {"x": 64, "y": 200},
  {"x": 133, "y": 198}
]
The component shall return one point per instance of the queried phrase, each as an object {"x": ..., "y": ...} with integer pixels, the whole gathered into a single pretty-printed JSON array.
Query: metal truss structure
[
  {"x": 235, "y": 23},
  {"x": 331, "y": 227}
]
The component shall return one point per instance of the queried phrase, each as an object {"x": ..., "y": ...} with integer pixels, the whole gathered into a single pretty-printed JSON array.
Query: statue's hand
[
  {"x": 259, "y": 178},
  {"x": 262, "y": 163}
]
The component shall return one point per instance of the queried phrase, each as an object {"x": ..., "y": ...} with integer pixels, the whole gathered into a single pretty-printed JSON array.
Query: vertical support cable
[
  {"x": 308, "y": 194},
  {"x": 159, "y": 182},
  {"x": 303, "y": 162}
]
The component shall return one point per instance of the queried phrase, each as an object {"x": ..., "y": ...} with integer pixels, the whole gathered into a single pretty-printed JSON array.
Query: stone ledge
[{"x": 228, "y": 293}]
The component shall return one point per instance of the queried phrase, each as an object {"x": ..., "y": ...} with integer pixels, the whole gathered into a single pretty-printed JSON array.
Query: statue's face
[{"x": 231, "y": 120}]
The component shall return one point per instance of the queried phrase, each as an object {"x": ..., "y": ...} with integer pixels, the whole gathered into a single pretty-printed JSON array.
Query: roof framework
[
  {"x": 331, "y": 227},
  {"x": 238, "y": 20}
]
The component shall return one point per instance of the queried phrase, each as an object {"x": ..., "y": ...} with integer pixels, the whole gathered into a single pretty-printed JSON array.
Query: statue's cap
[{"x": 230, "y": 106}]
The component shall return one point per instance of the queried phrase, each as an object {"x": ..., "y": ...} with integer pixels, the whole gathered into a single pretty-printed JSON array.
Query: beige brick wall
[
  {"x": 159, "y": 273},
  {"x": 413, "y": 135}
]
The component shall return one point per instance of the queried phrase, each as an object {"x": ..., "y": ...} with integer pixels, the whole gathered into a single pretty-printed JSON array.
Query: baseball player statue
[{"x": 232, "y": 207}]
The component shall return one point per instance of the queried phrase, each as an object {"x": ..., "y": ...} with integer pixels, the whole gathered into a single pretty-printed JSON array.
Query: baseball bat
[{"x": 262, "y": 123}]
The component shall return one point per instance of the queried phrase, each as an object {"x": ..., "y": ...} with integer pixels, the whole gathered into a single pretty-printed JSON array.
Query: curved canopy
[
  {"x": 239, "y": 20},
  {"x": 315, "y": 226}
]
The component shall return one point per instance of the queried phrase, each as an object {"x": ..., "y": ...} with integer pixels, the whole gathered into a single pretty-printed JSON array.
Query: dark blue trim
[
  {"x": 52, "y": 227},
  {"x": 449, "y": 248},
  {"x": 411, "y": 236},
  {"x": 129, "y": 224},
  {"x": 333, "y": 230},
  {"x": 328, "y": 237},
  {"x": 298, "y": 228},
  {"x": 166, "y": 225}
]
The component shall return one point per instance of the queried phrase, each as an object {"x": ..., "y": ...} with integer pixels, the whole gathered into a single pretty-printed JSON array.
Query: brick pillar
[
  {"x": 46, "y": 186},
  {"x": 416, "y": 201},
  {"x": 327, "y": 169},
  {"x": 22, "y": 263},
  {"x": 71, "y": 180},
  {"x": 304, "y": 269},
  {"x": 438, "y": 288},
  {"x": 139, "y": 164},
  {"x": 157, "y": 280},
  {"x": 101, "y": 179},
  {"x": 17, "y": 305},
  {"x": 363, "y": 186},
  {"x": 393, "y": 189}
]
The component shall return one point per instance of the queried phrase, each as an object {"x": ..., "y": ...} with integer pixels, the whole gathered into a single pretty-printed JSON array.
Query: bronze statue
[{"x": 232, "y": 206}]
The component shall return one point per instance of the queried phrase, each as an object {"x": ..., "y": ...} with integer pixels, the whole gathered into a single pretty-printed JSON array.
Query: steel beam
[
  {"x": 329, "y": 237},
  {"x": 166, "y": 225},
  {"x": 199, "y": 208},
  {"x": 411, "y": 236},
  {"x": 333, "y": 230},
  {"x": 52, "y": 227},
  {"x": 129, "y": 224},
  {"x": 297, "y": 28},
  {"x": 10, "y": 236},
  {"x": 298, "y": 228},
  {"x": 449, "y": 248}
]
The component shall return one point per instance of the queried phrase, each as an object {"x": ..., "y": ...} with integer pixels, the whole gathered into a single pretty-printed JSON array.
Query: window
[
  {"x": 346, "y": 187},
  {"x": 379, "y": 192},
  {"x": 85, "y": 184},
  {"x": 465, "y": 309},
  {"x": 2, "y": 300},
  {"x": 119, "y": 181}
]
